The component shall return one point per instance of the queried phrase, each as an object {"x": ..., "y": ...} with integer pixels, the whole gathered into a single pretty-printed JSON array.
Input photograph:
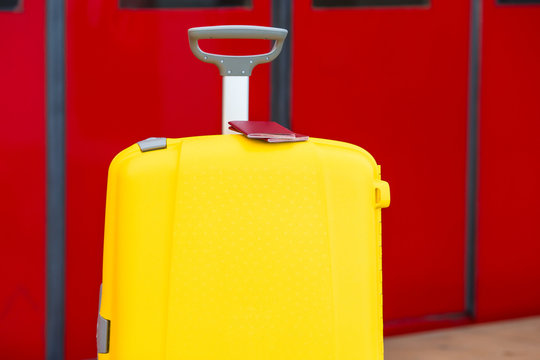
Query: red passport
[{"x": 266, "y": 130}]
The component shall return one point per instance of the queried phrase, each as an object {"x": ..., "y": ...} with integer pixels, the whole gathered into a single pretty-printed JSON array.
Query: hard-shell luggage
[{"x": 224, "y": 247}]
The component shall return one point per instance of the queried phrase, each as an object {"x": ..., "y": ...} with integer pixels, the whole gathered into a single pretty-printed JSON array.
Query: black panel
[
  {"x": 365, "y": 3},
  {"x": 280, "y": 95},
  {"x": 8, "y": 4},
  {"x": 171, "y": 4},
  {"x": 519, "y": 1}
]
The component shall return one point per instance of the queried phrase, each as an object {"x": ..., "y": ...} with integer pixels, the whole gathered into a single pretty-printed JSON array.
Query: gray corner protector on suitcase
[
  {"x": 103, "y": 330},
  {"x": 153, "y": 143}
]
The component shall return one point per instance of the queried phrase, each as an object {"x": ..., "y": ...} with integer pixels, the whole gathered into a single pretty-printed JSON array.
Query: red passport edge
[{"x": 269, "y": 131}]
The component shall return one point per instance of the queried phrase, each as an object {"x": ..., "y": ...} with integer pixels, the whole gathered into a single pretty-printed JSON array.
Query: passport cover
[{"x": 269, "y": 131}]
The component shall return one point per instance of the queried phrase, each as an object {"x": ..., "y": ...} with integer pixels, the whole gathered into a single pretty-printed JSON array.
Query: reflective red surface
[
  {"x": 22, "y": 182},
  {"x": 509, "y": 234},
  {"x": 394, "y": 81},
  {"x": 130, "y": 76}
]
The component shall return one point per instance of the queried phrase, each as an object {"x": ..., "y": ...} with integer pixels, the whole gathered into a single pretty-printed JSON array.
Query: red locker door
[
  {"x": 509, "y": 235},
  {"x": 131, "y": 75},
  {"x": 22, "y": 179},
  {"x": 393, "y": 80}
]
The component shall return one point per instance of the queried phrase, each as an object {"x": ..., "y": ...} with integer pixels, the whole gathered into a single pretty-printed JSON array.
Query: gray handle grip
[{"x": 236, "y": 65}]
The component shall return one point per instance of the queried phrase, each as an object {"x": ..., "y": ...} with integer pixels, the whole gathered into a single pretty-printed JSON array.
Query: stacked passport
[{"x": 266, "y": 130}]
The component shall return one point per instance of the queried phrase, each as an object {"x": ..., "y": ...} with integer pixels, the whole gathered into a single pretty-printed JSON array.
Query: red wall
[
  {"x": 131, "y": 75},
  {"x": 22, "y": 182},
  {"x": 509, "y": 234},
  {"x": 394, "y": 81}
]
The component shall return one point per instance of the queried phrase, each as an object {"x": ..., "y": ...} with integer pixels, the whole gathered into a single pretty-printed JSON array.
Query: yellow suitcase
[{"x": 224, "y": 247}]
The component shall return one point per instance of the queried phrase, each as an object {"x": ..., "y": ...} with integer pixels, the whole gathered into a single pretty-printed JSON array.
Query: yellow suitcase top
[{"x": 221, "y": 247}]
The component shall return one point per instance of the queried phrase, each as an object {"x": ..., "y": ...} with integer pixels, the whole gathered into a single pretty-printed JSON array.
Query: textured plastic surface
[{"x": 221, "y": 247}]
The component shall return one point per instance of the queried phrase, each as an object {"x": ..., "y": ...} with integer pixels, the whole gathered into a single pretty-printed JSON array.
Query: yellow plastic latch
[{"x": 382, "y": 194}]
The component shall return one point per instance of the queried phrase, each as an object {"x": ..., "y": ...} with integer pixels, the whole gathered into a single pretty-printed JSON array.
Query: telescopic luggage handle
[
  {"x": 236, "y": 65},
  {"x": 235, "y": 69}
]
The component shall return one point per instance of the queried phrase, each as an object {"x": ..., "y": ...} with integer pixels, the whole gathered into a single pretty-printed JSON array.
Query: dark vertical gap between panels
[
  {"x": 280, "y": 83},
  {"x": 472, "y": 158},
  {"x": 55, "y": 118}
]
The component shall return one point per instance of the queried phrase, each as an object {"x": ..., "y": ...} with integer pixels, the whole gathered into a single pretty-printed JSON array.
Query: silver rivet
[
  {"x": 267, "y": 58},
  {"x": 243, "y": 72},
  {"x": 221, "y": 61},
  {"x": 251, "y": 61},
  {"x": 206, "y": 57},
  {"x": 228, "y": 71}
]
